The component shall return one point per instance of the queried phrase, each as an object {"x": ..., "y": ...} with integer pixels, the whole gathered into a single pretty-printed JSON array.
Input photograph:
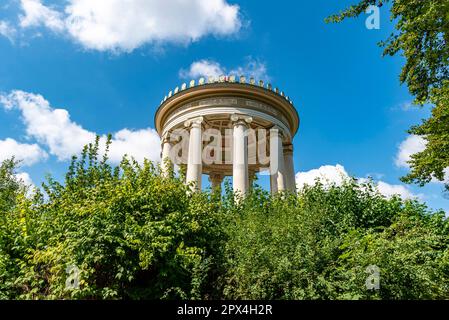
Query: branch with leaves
[{"x": 421, "y": 37}]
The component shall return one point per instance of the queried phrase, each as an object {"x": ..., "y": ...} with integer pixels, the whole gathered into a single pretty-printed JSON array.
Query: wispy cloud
[
  {"x": 35, "y": 14},
  {"x": 404, "y": 106},
  {"x": 7, "y": 30}
]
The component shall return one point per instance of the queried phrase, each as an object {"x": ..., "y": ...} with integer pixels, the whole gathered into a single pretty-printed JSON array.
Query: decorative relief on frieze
[
  {"x": 181, "y": 109},
  {"x": 258, "y": 105},
  {"x": 231, "y": 102},
  {"x": 218, "y": 102}
]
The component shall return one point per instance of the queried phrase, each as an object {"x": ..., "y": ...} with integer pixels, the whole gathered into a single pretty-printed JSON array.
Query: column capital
[
  {"x": 278, "y": 130},
  {"x": 194, "y": 122},
  {"x": 237, "y": 119},
  {"x": 166, "y": 137}
]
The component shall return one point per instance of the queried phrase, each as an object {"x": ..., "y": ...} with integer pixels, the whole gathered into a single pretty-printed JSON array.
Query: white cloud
[
  {"x": 64, "y": 138},
  {"x": 25, "y": 178},
  {"x": 36, "y": 14},
  {"x": 389, "y": 190},
  {"x": 50, "y": 127},
  {"x": 202, "y": 68},
  {"x": 117, "y": 25},
  {"x": 337, "y": 175},
  {"x": 29, "y": 154},
  {"x": 326, "y": 174},
  {"x": 7, "y": 30},
  {"x": 140, "y": 144},
  {"x": 413, "y": 144},
  {"x": 206, "y": 68},
  {"x": 252, "y": 68}
]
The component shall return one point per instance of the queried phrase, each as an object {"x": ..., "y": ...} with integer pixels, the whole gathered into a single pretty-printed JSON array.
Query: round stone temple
[{"x": 226, "y": 126}]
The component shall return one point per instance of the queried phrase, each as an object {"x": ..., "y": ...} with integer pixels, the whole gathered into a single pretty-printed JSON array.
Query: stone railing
[{"x": 221, "y": 79}]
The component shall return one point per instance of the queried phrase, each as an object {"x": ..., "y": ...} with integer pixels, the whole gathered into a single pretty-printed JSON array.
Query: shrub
[
  {"x": 317, "y": 244},
  {"x": 131, "y": 233}
]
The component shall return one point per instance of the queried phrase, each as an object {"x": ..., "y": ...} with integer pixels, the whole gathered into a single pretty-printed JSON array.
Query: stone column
[
  {"x": 289, "y": 167},
  {"x": 166, "y": 161},
  {"x": 277, "y": 166},
  {"x": 216, "y": 179},
  {"x": 240, "y": 153},
  {"x": 194, "y": 161}
]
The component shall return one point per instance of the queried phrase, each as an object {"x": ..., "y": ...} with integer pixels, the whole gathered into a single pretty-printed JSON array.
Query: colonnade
[{"x": 281, "y": 168}]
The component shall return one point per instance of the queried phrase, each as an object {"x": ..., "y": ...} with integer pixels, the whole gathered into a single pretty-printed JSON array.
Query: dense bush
[
  {"x": 131, "y": 233},
  {"x": 318, "y": 245},
  {"x": 134, "y": 234}
]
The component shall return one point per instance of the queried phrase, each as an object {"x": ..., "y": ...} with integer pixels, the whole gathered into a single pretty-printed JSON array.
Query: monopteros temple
[{"x": 228, "y": 126}]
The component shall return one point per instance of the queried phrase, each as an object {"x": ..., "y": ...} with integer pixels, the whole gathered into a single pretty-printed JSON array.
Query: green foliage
[
  {"x": 422, "y": 36},
  {"x": 12, "y": 195},
  {"x": 9, "y": 186},
  {"x": 434, "y": 159},
  {"x": 134, "y": 234},
  {"x": 318, "y": 244},
  {"x": 131, "y": 233}
]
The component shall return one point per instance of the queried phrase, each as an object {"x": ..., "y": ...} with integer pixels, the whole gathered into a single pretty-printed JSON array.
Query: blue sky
[{"x": 108, "y": 67}]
